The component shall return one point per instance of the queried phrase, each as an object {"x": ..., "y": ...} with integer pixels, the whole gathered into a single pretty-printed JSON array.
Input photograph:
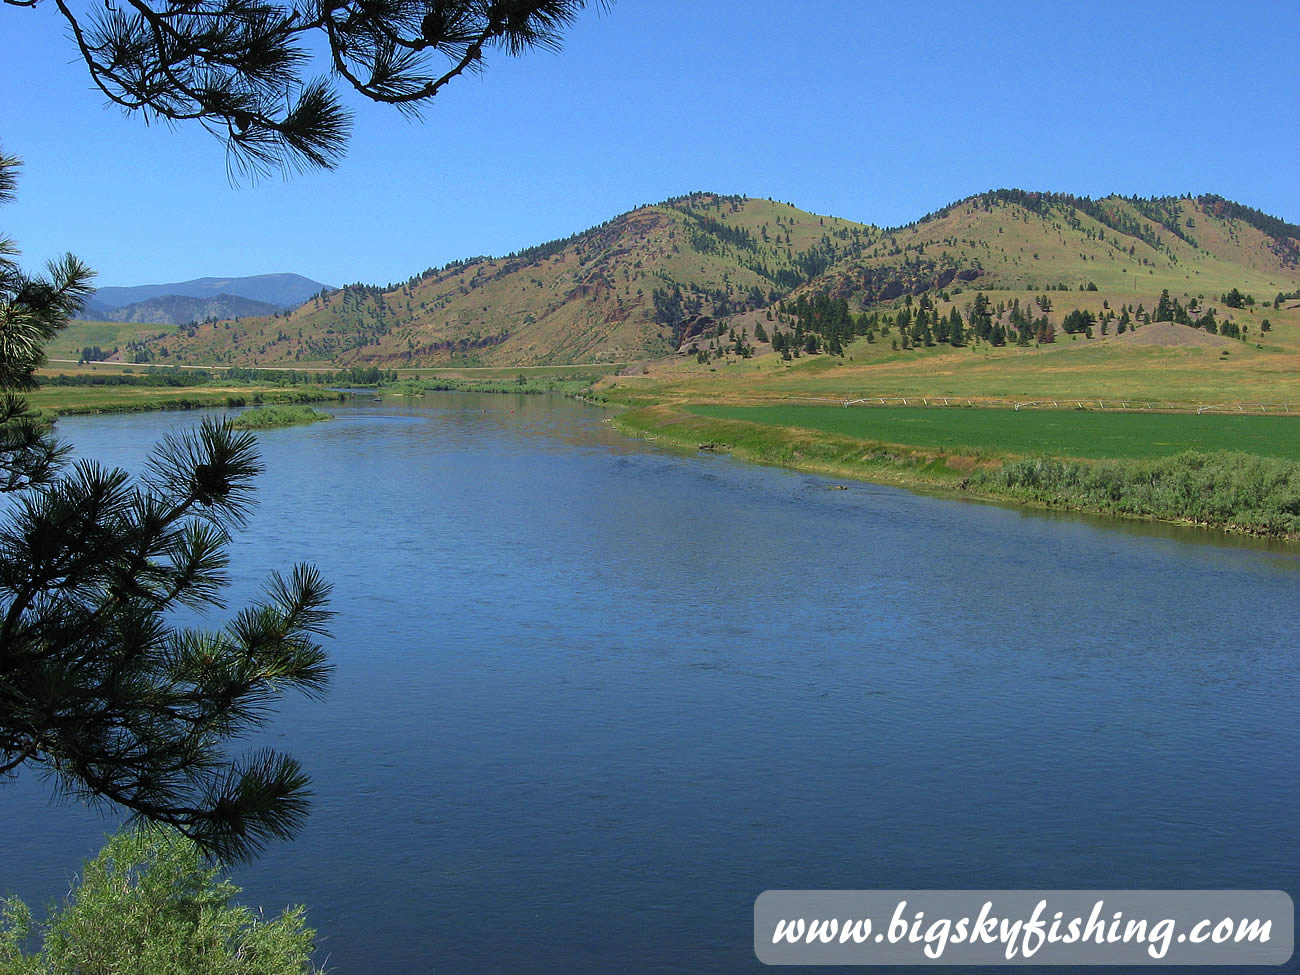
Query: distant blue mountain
[
  {"x": 281, "y": 290},
  {"x": 181, "y": 310}
]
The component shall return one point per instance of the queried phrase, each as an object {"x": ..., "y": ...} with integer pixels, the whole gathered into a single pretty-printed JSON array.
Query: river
[{"x": 592, "y": 698}]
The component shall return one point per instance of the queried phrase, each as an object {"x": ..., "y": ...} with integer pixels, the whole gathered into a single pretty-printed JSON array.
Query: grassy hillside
[
  {"x": 625, "y": 290},
  {"x": 1030, "y": 241},
  {"x": 684, "y": 273},
  {"x": 1158, "y": 363},
  {"x": 69, "y": 341}
]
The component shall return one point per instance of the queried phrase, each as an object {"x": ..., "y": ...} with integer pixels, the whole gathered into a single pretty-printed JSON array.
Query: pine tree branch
[{"x": 234, "y": 65}]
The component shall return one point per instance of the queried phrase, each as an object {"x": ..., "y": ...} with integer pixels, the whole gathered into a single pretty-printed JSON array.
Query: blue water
[{"x": 591, "y": 699}]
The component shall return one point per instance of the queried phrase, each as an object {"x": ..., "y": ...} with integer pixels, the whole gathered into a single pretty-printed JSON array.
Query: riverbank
[
  {"x": 1226, "y": 490},
  {"x": 81, "y": 400},
  {"x": 522, "y": 384},
  {"x": 1229, "y": 490}
]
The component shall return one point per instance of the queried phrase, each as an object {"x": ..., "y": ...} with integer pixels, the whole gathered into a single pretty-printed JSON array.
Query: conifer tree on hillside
[
  {"x": 1164, "y": 308},
  {"x": 956, "y": 336}
]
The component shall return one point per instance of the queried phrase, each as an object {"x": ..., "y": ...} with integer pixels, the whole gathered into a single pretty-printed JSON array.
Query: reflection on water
[{"x": 592, "y": 698}]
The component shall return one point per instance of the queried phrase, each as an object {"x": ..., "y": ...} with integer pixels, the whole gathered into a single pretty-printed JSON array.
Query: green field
[{"x": 1060, "y": 433}]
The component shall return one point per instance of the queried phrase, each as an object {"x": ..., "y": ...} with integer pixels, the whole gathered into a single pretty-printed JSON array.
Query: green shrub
[
  {"x": 270, "y": 417},
  {"x": 149, "y": 904},
  {"x": 1222, "y": 488}
]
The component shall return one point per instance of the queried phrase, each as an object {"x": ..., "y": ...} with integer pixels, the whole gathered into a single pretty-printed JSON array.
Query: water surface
[{"x": 591, "y": 699}]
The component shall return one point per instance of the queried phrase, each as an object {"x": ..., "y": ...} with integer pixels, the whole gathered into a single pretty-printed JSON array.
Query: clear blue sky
[{"x": 875, "y": 111}]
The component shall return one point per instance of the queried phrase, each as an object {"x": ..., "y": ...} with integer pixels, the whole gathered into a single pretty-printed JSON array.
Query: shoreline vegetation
[
  {"x": 1220, "y": 489},
  {"x": 576, "y": 386},
  {"x": 126, "y": 390},
  {"x": 1224, "y": 489},
  {"x": 118, "y": 388},
  {"x": 82, "y": 400},
  {"x": 273, "y": 417},
  {"x": 1211, "y": 454}
]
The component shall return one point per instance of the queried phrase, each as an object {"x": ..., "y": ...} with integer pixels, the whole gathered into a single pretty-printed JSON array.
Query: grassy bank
[
  {"x": 272, "y": 417},
  {"x": 73, "y": 400},
  {"x": 526, "y": 384},
  {"x": 584, "y": 371},
  {"x": 808, "y": 450},
  {"x": 1223, "y": 489}
]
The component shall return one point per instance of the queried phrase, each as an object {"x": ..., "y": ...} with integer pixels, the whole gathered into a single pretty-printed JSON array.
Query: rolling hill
[
  {"x": 1027, "y": 241},
  {"x": 181, "y": 309},
  {"x": 648, "y": 282}
]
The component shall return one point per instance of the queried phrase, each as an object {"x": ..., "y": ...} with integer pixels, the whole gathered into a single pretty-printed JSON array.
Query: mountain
[
  {"x": 628, "y": 288},
  {"x": 281, "y": 290},
  {"x": 180, "y": 310},
  {"x": 1014, "y": 240},
  {"x": 94, "y": 311},
  {"x": 646, "y": 282}
]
